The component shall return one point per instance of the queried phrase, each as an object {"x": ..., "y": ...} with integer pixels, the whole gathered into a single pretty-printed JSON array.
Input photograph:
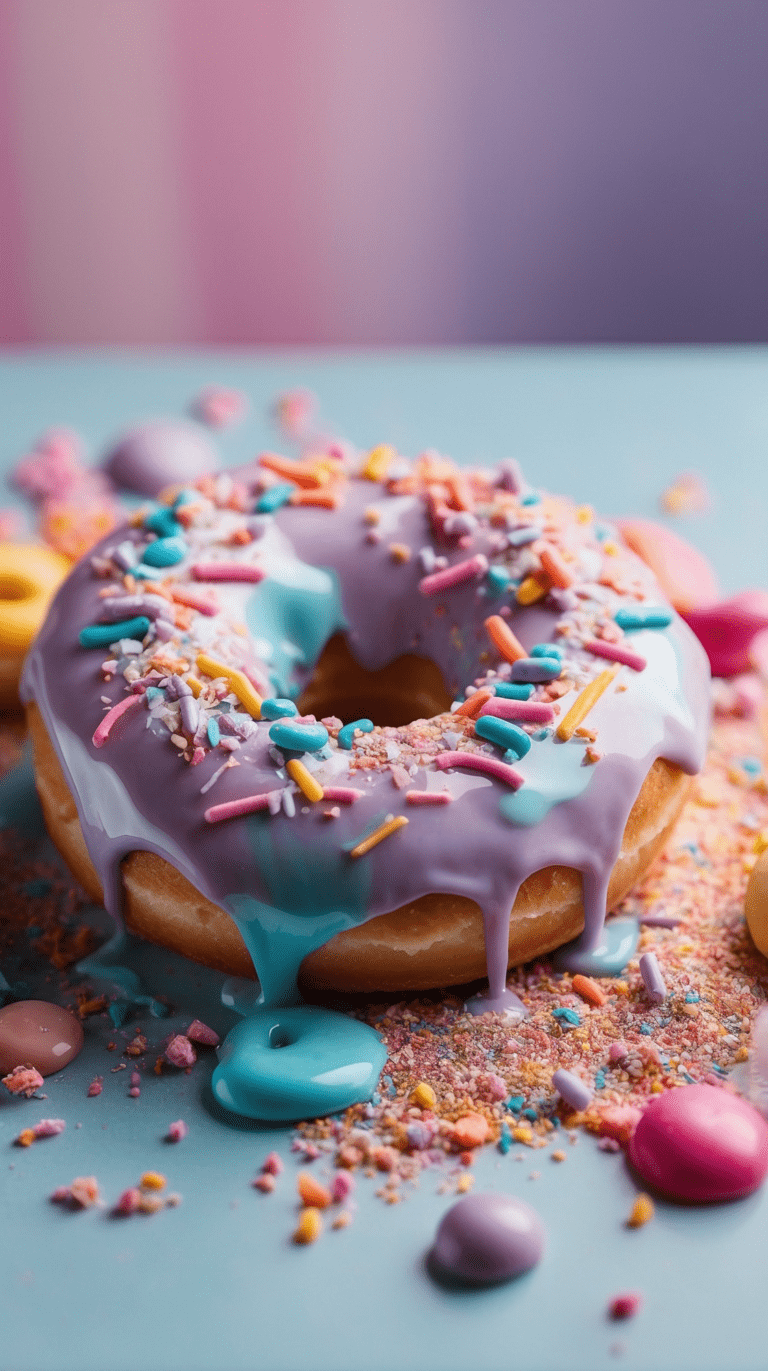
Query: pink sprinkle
[
  {"x": 454, "y": 575},
  {"x": 529, "y": 711},
  {"x": 219, "y": 407},
  {"x": 111, "y": 717},
  {"x": 84, "y": 1191},
  {"x": 273, "y": 1164},
  {"x": 341, "y": 795},
  {"x": 227, "y": 571},
  {"x": 23, "y": 1080},
  {"x": 134, "y": 1092},
  {"x": 489, "y": 766},
  {"x": 180, "y": 1051},
  {"x": 618, "y": 1052},
  {"x": 129, "y": 1202},
  {"x": 235, "y": 809},
  {"x": 200, "y": 1033},
  {"x": 428, "y": 797},
  {"x": 176, "y": 1131},
  {"x": 95, "y": 1088},
  {"x": 265, "y": 1184},
  {"x": 48, "y": 1128},
  {"x": 615, "y": 653},
  {"x": 625, "y": 1306},
  {"x": 342, "y": 1186}
]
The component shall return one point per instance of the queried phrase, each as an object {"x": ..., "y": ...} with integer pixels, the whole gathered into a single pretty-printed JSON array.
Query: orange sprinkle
[
  {"x": 504, "y": 640},
  {"x": 311, "y": 1192},
  {"x": 584, "y": 702},
  {"x": 309, "y": 1227},
  {"x": 305, "y": 474},
  {"x": 533, "y": 588},
  {"x": 474, "y": 703},
  {"x": 471, "y": 1130},
  {"x": 379, "y": 834},
  {"x": 329, "y": 498},
  {"x": 642, "y": 1210},
  {"x": 559, "y": 574},
  {"x": 152, "y": 1180},
  {"x": 589, "y": 990}
]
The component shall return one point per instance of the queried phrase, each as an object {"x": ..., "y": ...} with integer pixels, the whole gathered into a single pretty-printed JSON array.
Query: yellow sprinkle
[
  {"x": 378, "y": 462},
  {"x": 584, "y": 514},
  {"x": 194, "y": 685},
  {"x": 305, "y": 780},
  {"x": 26, "y": 1137},
  {"x": 657, "y": 1088},
  {"x": 642, "y": 1211},
  {"x": 237, "y": 680},
  {"x": 761, "y": 843},
  {"x": 378, "y": 835},
  {"x": 611, "y": 549},
  {"x": 523, "y": 1134},
  {"x": 584, "y": 702},
  {"x": 152, "y": 1180},
  {"x": 372, "y": 516},
  {"x": 309, "y": 1227},
  {"x": 559, "y": 1155},
  {"x": 530, "y": 590},
  {"x": 424, "y": 1096},
  {"x": 465, "y": 1183}
]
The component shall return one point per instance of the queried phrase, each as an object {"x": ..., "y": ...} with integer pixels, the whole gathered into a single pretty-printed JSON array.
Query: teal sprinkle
[
  {"x": 498, "y": 579},
  {"x": 275, "y": 498},
  {"x": 752, "y": 765},
  {"x": 503, "y": 734},
  {"x": 632, "y": 619},
  {"x": 532, "y": 498},
  {"x": 515, "y": 1103},
  {"x": 214, "y": 734},
  {"x": 513, "y": 690},
  {"x": 646, "y": 1029},
  {"x": 292, "y": 737},
  {"x": 101, "y": 635},
  {"x": 505, "y": 1139},
  {"x": 278, "y": 709},
  {"x": 347, "y": 733},
  {"x": 151, "y": 693},
  {"x": 567, "y": 1015},
  {"x": 599, "y": 1080},
  {"x": 692, "y": 997},
  {"x": 531, "y": 1114},
  {"x": 162, "y": 522},
  {"x": 186, "y": 497},
  {"x": 546, "y": 650},
  {"x": 165, "y": 552}
]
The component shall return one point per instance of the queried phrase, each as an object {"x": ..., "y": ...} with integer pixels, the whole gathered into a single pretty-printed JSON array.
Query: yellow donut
[{"x": 29, "y": 577}]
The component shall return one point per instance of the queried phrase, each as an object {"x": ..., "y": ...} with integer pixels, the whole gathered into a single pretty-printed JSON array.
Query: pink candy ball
[{"x": 701, "y": 1144}]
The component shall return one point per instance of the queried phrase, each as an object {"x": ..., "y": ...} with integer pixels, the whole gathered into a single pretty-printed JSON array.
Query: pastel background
[{"x": 383, "y": 171}]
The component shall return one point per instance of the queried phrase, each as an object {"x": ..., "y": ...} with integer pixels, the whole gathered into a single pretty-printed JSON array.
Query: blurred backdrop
[{"x": 383, "y": 171}]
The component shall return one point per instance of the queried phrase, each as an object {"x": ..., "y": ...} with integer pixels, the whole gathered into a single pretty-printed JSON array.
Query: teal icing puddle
[
  {"x": 111, "y": 963},
  {"x": 617, "y": 945},
  {"x": 295, "y": 610},
  {"x": 552, "y": 772}
]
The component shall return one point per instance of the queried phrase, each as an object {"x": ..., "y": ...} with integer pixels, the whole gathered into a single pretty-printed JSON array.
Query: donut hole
[
  {"x": 409, "y": 688},
  {"x": 279, "y": 1036},
  {"x": 14, "y": 586}
]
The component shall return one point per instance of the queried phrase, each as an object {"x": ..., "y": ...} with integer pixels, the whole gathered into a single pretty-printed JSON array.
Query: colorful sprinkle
[
  {"x": 503, "y": 734},
  {"x": 228, "y": 571},
  {"x": 504, "y": 640},
  {"x": 632, "y": 619},
  {"x": 390, "y": 826},
  {"x": 110, "y": 719},
  {"x": 102, "y": 635},
  {"x": 584, "y": 703},
  {"x": 298, "y": 737},
  {"x": 346, "y": 735},
  {"x": 305, "y": 780},
  {"x": 165, "y": 552},
  {"x": 616, "y": 653},
  {"x": 278, "y": 709},
  {"x": 456, "y": 575},
  {"x": 474, "y": 761}
]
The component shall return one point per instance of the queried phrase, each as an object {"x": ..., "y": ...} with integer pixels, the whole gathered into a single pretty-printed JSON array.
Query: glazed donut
[
  {"x": 29, "y": 577},
  {"x": 392, "y": 727}
]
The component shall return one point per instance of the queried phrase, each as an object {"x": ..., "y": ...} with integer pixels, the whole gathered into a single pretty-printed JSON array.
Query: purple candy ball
[
  {"x": 487, "y": 1238},
  {"x": 160, "y": 453}
]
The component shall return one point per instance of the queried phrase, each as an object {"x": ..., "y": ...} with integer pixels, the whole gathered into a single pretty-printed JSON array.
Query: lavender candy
[
  {"x": 652, "y": 978},
  {"x": 488, "y": 1238},
  {"x": 572, "y": 1089},
  {"x": 536, "y": 669},
  {"x": 117, "y": 607},
  {"x": 189, "y": 713}
]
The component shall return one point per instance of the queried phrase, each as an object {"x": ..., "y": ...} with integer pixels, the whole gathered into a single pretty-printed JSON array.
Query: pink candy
[
  {"x": 700, "y": 1143},
  {"x": 726, "y": 629},
  {"x": 180, "y": 1052}
]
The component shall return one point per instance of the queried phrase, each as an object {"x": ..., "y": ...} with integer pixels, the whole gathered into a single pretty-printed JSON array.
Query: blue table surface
[{"x": 215, "y": 1283}]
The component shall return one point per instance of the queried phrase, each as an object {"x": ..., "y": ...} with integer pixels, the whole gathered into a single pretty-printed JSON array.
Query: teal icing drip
[
  {"x": 305, "y": 1062},
  {"x": 327, "y": 1061},
  {"x": 553, "y": 772},
  {"x": 295, "y": 609},
  {"x": 617, "y": 946}
]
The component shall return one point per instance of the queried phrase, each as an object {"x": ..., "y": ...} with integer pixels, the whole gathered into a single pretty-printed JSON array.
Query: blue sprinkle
[
  {"x": 275, "y": 498},
  {"x": 165, "y": 552},
  {"x": 101, "y": 635},
  {"x": 568, "y": 1015},
  {"x": 298, "y": 737},
  {"x": 278, "y": 709},
  {"x": 508, "y": 690},
  {"x": 505, "y": 1140},
  {"x": 347, "y": 733},
  {"x": 536, "y": 669},
  {"x": 498, "y": 579},
  {"x": 541, "y": 734},
  {"x": 163, "y": 522},
  {"x": 752, "y": 765},
  {"x": 213, "y": 732},
  {"x": 692, "y": 997},
  {"x": 547, "y": 650},
  {"x": 599, "y": 1080},
  {"x": 186, "y": 497},
  {"x": 603, "y": 532},
  {"x": 532, "y": 498},
  {"x": 515, "y": 1103},
  {"x": 632, "y": 619},
  {"x": 646, "y": 1029},
  {"x": 151, "y": 693},
  {"x": 389, "y": 1083},
  {"x": 518, "y": 537},
  {"x": 531, "y": 1114},
  {"x": 503, "y": 734}
]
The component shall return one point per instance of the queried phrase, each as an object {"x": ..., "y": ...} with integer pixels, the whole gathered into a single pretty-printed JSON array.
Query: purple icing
[
  {"x": 137, "y": 794},
  {"x": 488, "y": 1238},
  {"x": 160, "y": 453}
]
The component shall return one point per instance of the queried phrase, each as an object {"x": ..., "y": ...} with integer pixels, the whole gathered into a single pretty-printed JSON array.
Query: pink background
[{"x": 404, "y": 171}]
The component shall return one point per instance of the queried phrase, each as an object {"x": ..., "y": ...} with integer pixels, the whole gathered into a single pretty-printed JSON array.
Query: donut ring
[{"x": 30, "y": 575}]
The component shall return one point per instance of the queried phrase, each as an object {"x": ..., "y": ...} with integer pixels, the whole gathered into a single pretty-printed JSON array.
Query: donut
[
  {"x": 29, "y": 578},
  {"x": 383, "y": 727}
]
